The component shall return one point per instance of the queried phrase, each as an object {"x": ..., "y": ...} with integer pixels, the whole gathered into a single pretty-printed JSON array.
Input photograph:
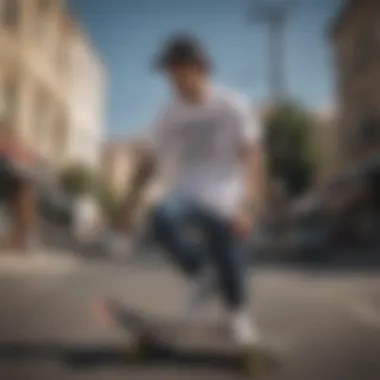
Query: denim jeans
[{"x": 192, "y": 236}]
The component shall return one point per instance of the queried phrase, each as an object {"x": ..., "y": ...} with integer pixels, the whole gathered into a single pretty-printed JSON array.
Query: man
[{"x": 206, "y": 139}]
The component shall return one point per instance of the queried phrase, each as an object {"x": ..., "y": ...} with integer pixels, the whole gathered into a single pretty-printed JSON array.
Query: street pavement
[{"x": 321, "y": 325}]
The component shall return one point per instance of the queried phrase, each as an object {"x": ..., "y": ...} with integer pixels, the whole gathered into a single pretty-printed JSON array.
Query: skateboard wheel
[
  {"x": 137, "y": 348},
  {"x": 253, "y": 363}
]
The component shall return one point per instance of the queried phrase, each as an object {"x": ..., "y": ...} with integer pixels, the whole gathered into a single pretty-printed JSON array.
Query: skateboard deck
[{"x": 200, "y": 341}]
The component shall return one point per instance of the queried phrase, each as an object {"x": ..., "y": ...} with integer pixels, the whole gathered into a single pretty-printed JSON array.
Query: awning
[
  {"x": 18, "y": 157},
  {"x": 17, "y": 151}
]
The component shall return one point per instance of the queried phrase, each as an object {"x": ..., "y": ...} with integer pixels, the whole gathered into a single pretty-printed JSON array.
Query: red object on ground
[{"x": 100, "y": 311}]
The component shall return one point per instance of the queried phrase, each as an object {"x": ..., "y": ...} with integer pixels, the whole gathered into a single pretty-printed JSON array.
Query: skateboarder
[{"x": 207, "y": 140}]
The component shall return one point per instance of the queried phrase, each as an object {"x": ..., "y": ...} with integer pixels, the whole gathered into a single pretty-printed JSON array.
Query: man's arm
[
  {"x": 248, "y": 129},
  {"x": 143, "y": 171}
]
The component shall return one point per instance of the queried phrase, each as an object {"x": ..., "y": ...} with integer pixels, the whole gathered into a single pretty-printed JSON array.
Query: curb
[{"x": 20, "y": 263}]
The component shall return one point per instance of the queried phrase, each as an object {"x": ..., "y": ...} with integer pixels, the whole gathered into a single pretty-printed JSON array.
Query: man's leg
[
  {"x": 172, "y": 220},
  {"x": 228, "y": 253}
]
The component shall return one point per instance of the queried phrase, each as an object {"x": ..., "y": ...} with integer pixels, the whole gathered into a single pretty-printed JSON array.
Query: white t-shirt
[{"x": 200, "y": 145}]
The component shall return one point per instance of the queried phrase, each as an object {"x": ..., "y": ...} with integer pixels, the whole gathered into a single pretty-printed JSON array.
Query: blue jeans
[{"x": 174, "y": 217}]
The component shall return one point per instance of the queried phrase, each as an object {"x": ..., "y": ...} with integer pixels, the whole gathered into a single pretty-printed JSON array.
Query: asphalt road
[{"x": 322, "y": 326}]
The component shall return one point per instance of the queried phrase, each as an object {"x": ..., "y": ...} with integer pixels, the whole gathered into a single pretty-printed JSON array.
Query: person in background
[{"x": 86, "y": 219}]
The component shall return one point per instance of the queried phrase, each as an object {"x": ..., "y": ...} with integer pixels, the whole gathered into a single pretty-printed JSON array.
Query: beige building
[
  {"x": 86, "y": 101},
  {"x": 40, "y": 67},
  {"x": 356, "y": 38}
]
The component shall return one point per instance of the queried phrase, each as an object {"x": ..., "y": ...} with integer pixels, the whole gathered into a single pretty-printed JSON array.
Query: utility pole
[
  {"x": 275, "y": 14},
  {"x": 276, "y": 17}
]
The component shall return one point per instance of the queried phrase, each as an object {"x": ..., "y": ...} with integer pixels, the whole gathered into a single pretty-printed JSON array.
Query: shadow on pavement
[{"x": 92, "y": 356}]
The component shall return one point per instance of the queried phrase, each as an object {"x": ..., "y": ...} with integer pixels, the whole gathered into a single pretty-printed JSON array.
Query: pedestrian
[
  {"x": 86, "y": 220},
  {"x": 208, "y": 140}
]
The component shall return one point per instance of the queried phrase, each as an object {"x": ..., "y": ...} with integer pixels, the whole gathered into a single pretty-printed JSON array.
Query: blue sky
[{"x": 127, "y": 33}]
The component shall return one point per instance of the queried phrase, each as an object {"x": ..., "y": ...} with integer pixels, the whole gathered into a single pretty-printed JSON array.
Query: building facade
[
  {"x": 356, "y": 40},
  {"x": 51, "y": 82},
  {"x": 51, "y": 101}
]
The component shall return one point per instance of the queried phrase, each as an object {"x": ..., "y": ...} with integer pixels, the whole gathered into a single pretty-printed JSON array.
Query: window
[
  {"x": 62, "y": 55},
  {"x": 350, "y": 138},
  {"x": 364, "y": 134},
  {"x": 84, "y": 138},
  {"x": 10, "y": 13},
  {"x": 60, "y": 137},
  {"x": 368, "y": 130},
  {"x": 366, "y": 48},
  {"x": 8, "y": 101},
  {"x": 40, "y": 118},
  {"x": 63, "y": 48},
  {"x": 42, "y": 22}
]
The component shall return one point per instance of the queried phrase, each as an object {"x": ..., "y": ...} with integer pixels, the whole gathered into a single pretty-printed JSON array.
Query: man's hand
[
  {"x": 242, "y": 224},
  {"x": 142, "y": 173},
  {"x": 124, "y": 224}
]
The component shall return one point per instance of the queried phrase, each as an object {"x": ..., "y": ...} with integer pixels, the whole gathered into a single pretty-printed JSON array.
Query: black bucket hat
[{"x": 182, "y": 49}]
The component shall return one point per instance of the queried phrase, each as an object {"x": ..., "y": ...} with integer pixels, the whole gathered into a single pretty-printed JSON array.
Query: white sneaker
[
  {"x": 243, "y": 329},
  {"x": 204, "y": 288}
]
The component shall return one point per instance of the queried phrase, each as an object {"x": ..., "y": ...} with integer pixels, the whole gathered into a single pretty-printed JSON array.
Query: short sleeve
[
  {"x": 247, "y": 125},
  {"x": 157, "y": 133}
]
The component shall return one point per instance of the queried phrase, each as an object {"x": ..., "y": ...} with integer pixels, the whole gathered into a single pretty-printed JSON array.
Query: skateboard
[{"x": 187, "y": 341}]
